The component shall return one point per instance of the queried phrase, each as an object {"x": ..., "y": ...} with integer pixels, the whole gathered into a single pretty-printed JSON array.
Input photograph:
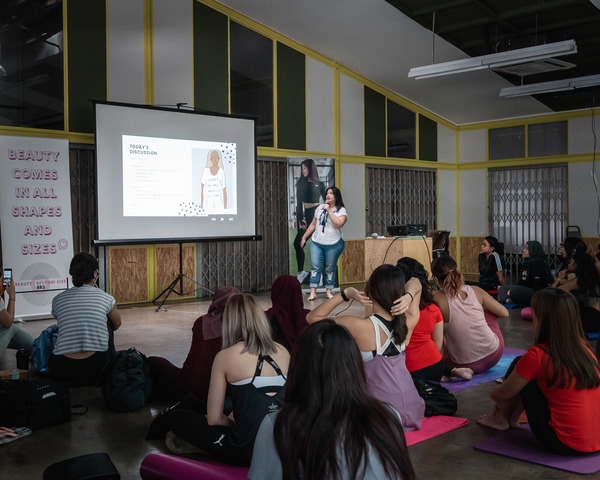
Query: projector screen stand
[{"x": 172, "y": 288}]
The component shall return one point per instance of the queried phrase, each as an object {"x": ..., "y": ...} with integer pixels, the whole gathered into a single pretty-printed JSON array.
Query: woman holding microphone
[{"x": 327, "y": 244}]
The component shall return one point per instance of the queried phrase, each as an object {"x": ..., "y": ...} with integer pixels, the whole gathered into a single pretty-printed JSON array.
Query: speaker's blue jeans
[{"x": 324, "y": 258}]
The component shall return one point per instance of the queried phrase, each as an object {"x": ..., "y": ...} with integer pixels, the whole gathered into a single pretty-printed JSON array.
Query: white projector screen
[{"x": 166, "y": 174}]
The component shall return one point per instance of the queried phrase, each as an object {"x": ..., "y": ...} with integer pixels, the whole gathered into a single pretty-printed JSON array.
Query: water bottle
[{"x": 22, "y": 359}]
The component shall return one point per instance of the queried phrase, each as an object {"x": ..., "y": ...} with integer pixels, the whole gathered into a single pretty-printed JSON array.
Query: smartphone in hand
[{"x": 7, "y": 274}]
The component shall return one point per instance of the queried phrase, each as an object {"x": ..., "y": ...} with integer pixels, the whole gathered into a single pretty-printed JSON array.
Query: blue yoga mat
[{"x": 493, "y": 373}]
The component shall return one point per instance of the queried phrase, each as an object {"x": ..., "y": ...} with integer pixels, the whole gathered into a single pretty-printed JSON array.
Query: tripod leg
[{"x": 170, "y": 289}]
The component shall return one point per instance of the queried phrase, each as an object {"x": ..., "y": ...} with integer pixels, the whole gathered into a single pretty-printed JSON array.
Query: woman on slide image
[
  {"x": 330, "y": 426},
  {"x": 556, "y": 382},
  {"x": 327, "y": 244},
  {"x": 309, "y": 192},
  {"x": 213, "y": 196}
]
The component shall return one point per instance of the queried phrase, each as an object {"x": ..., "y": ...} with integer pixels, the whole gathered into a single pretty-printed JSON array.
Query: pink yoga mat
[
  {"x": 434, "y": 426},
  {"x": 520, "y": 443}
]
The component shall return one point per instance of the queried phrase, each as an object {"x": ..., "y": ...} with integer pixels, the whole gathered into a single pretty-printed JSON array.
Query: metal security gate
[
  {"x": 529, "y": 203},
  {"x": 253, "y": 266},
  {"x": 397, "y": 196}
]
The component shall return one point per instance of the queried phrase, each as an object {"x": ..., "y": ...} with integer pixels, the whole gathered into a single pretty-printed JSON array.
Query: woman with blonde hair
[
  {"x": 472, "y": 337},
  {"x": 213, "y": 195},
  {"x": 557, "y": 381},
  {"x": 250, "y": 368}
]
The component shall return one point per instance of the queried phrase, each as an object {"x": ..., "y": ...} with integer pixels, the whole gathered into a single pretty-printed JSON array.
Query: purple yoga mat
[
  {"x": 497, "y": 371},
  {"x": 520, "y": 443}
]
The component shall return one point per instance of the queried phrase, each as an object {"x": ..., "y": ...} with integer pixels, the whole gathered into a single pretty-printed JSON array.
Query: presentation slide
[
  {"x": 173, "y": 174},
  {"x": 163, "y": 177}
]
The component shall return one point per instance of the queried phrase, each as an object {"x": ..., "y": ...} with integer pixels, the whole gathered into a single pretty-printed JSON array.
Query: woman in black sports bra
[
  {"x": 310, "y": 192},
  {"x": 252, "y": 370}
]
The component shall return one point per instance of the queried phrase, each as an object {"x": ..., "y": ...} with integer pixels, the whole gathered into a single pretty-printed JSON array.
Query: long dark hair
[
  {"x": 587, "y": 275},
  {"x": 414, "y": 269},
  {"x": 559, "y": 327},
  {"x": 329, "y": 412},
  {"x": 82, "y": 268},
  {"x": 495, "y": 244},
  {"x": 385, "y": 285},
  {"x": 444, "y": 269},
  {"x": 313, "y": 172},
  {"x": 339, "y": 203}
]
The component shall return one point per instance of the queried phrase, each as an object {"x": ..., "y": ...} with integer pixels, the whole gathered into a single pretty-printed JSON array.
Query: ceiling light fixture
[
  {"x": 495, "y": 60},
  {"x": 554, "y": 86}
]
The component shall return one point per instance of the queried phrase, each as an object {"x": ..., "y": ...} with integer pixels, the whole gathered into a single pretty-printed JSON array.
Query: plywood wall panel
[
  {"x": 353, "y": 262},
  {"x": 167, "y": 267},
  {"x": 469, "y": 254},
  {"x": 129, "y": 274}
]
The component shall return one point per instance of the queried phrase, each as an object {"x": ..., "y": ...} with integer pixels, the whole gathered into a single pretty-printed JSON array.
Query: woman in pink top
[{"x": 472, "y": 337}]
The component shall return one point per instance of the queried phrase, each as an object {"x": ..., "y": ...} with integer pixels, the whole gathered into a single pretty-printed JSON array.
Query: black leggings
[
  {"x": 538, "y": 416},
  {"x": 432, "y": 372},
  {"x": 216, "y": 440},
  {"x": 309, "y": 214}
]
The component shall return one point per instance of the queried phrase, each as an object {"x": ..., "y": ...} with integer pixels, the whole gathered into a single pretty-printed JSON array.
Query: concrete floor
[{"x": 168, "y": 334}]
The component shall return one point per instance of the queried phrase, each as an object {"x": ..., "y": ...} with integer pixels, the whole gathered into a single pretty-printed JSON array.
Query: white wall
[
  {"x": 446, "y": 145},
  {"x": 352, "y": 185},
  {"x": 320, "y": 113},
  {"x": 583, "y": 203},
  {"x": 472, "y": 146},
  {"x": 447, "y": 201},
  {"x": 473, "y": 203},
  {"x": 581, "y": 135},
  {"x": 352, "y": 131},
  {"x": 173, "y": 56},
  {"x": 125, "y": 45}
]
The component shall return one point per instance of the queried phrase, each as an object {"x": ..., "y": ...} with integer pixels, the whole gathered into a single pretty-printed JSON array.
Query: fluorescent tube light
[
  {"x": 554, "y": 86},
  {"x": 495, "y": 60}
]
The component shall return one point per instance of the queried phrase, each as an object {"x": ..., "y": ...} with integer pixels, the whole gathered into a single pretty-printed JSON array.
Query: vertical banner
[
  {"x": 308, "y": 180},
  {"x": 35, "y": 216}
]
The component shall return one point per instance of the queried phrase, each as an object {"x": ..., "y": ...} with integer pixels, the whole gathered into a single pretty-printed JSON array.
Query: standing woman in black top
[{"x": 309, "y": 192}]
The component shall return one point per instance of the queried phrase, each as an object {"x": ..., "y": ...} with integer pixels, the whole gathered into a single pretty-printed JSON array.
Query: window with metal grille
[
  {"x": 529, "y": 203},
  {"x": 398, "y": 196}
]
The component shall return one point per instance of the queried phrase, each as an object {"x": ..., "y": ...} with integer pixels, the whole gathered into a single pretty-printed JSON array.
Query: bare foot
[
  {"x": 465, "y": 373},
  {"x": 329, "y": 295},
  {"x": 310, "y": 299},
  {"x": 493, "y": 421}
]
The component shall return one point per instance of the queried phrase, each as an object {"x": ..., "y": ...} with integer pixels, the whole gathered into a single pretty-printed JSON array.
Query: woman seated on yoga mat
[
  {"x": 381, "y": 337},
  {"x": 535, "y": 275},
  {"x": 287, "y": 315},
  {"x": 557, "y": 381},
  {"x": 172, "y": 383},
  {"x": 584, "y": 283},
  {"x": 472, "y": 337},
  {"x": 251, "y": 368},
  {"x": 330, "y": 426},
  {"x": 423, "y": 353}
]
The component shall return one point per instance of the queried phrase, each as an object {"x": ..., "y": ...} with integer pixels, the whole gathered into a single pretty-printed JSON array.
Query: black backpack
[
  {"x": 125, "y": 381},
  {"x": 33, "y": 403},
  {"x": 438, "y": 399}
]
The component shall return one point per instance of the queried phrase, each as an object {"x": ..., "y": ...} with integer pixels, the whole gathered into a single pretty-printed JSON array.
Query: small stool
[{"x": 95, "y": 466}]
